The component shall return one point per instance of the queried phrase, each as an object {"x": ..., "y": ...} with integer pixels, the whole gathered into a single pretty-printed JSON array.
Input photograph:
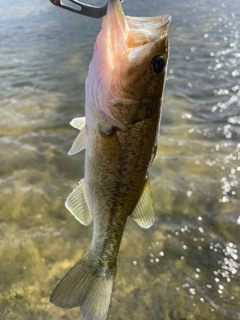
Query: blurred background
[{"x": 185, "y": 267}]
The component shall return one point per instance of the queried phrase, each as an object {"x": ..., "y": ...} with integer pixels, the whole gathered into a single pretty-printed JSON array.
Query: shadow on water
[{"x": 187, "y": 265}]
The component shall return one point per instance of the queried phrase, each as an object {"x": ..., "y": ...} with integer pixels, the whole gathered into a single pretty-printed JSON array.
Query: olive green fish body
[{"x": 124, "y": 91}]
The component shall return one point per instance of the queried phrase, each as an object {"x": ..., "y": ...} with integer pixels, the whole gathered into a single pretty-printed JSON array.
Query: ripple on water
[{"x": 187, "y": 265}]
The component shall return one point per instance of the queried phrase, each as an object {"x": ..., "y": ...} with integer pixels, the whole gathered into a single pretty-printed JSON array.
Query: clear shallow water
[{"x": 187, "y": 265}]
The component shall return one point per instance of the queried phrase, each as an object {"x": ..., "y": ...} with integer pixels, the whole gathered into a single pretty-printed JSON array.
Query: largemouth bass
[{"x": 124, "y": 90}]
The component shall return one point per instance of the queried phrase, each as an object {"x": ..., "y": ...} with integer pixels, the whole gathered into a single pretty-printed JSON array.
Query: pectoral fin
[
  {"x": 110, "y": 144},
  {"x": 79, "y": 143},
  {"x": 111, "y": 147},
  {"x": 143, "y": 213},
  {"x": 77, "y": 204}
]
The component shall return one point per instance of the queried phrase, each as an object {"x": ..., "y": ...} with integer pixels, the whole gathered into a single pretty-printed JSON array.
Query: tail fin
[{"x": 85, "y": 286}]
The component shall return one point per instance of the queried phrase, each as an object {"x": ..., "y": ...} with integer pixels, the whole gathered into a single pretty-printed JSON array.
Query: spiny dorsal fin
[
  {"x": 143, "y": 213},
  {"x": 78, "y": 123},
  {"x": 77, "y": 204},
  {"x": 79, "y": 143}
]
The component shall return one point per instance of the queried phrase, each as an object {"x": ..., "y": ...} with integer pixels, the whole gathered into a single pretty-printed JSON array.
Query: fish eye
[{"x": 157, "y": 64}]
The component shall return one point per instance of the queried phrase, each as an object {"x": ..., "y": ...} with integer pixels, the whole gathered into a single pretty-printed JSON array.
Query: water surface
[{"x": 187, "y": 265}]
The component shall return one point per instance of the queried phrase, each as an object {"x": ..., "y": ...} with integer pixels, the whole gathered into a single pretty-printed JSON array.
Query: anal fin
[
  {"x": 143, "y": 213},
  {"x": 77, "y": 204}
]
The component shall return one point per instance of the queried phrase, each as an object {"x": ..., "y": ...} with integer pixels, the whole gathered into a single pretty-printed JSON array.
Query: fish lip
[
  {"x": 164, "y": 26},
  {"x": 115, "y": 10},
  {"x": 121, "y": 26},
  {"x": 167, "y": 21},
  {"x": 156, "y": 22},
  {"x": 144, "y": 30}
]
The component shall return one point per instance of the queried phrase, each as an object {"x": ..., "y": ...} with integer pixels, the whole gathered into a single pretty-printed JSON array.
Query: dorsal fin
[
  {"x": 77, "y": 204},
  {"x": 79, "y": 143},
  {"x": 143, "y": 213},
  {"x": 78, "y": 123}
]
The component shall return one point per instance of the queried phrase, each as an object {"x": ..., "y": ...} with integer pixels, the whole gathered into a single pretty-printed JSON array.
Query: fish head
[{"x": 127, "y": 73}]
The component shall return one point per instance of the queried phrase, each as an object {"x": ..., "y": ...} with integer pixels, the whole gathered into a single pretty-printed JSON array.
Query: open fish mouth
[
  {"x": 136, "y": 31},
  {"x": 146, "y": 30}
]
